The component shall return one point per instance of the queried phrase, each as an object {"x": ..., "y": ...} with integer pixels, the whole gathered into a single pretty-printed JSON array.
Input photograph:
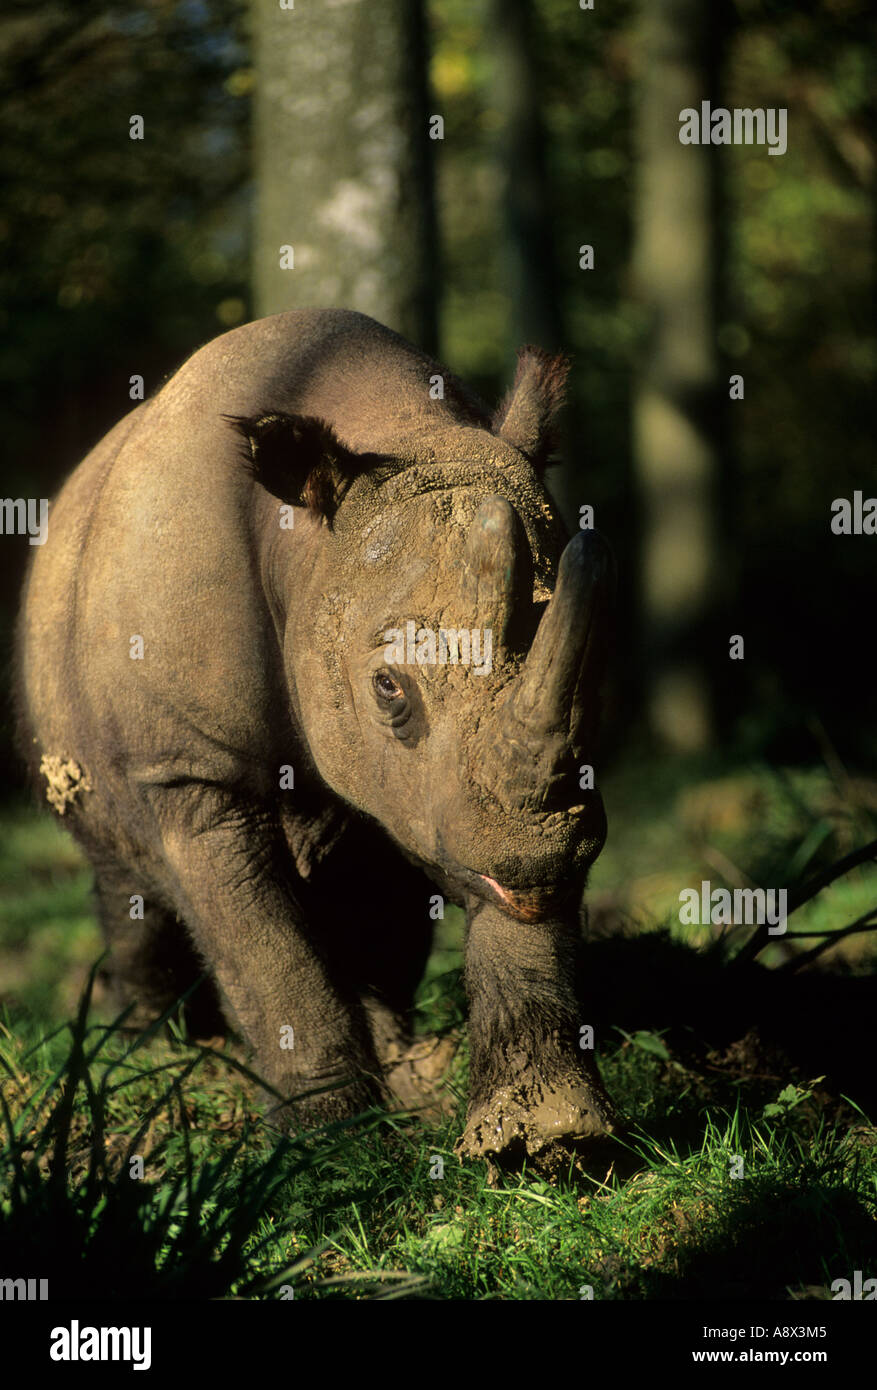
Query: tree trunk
[
  {"x": 678, "y": 405},
  {"x": 528, "y": 247},
  {"x": 526, "y": 202},
  {"x": 343, "y": 162}
]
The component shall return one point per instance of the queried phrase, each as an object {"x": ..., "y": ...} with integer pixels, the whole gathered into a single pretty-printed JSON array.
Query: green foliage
[
  {"x": 108, "y": 241},
  {"x": 191, "y": 1224},
  {"x": 788, "y": 1098},
  {"x": 226, "y": 1208},
  {"x": 227, "y": 1212},
  {"x": 674, "y": 822}
]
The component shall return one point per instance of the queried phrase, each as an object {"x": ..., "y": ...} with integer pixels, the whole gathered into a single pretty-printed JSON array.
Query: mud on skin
[{"x": 288, "y": 496}]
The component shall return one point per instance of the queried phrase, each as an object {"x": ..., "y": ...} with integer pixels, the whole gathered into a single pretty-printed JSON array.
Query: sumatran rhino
[{"x": 244, "y": 685}]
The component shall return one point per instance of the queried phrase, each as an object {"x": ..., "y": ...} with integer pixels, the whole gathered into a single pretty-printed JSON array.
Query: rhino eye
[{"x": 386, "y": 688}]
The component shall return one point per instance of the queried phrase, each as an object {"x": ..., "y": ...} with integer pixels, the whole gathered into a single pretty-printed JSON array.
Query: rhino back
[{"x": 160, "y": 535}]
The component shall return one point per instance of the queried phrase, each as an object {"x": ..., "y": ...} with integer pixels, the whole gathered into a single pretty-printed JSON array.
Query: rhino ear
[
  {"x": 527, "y": 418},
  {"x": 298, "y": 458}
]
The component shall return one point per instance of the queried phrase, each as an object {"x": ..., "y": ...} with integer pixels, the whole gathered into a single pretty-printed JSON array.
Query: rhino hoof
[{"x": 548, "y": 1125}]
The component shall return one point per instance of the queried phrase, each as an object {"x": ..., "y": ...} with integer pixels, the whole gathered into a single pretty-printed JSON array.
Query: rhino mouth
[
  {"x": 527, "y": 904},
  {"x": 558, "y": 876}
]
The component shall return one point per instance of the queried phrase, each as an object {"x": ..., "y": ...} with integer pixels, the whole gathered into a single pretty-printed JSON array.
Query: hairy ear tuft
[
  {"x": 298, "y": 458},
  {"x": 528, "y": 416}
]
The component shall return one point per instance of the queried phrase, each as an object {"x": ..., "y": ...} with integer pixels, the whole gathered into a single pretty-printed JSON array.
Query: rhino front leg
[
  {"x": 533, "y": 1092},
  {"x": 152, "y": 961},
  {"x": 381, "y": 955},
  {"x": 230, "y": 866}
]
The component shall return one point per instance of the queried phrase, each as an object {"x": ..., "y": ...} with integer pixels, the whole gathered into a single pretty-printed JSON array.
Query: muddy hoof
[
  {"x": 414, "y": 1075},
  {"x": 548, "y": 1125}
]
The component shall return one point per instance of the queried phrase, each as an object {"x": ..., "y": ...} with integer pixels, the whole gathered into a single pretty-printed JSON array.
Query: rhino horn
[
  {"x": 564, "y": 664},
  {"x": 497, "y": 568}
]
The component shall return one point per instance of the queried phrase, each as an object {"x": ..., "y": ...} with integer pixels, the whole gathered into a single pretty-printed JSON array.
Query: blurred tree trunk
[
  {"x": 528, "y": 248},
  {"x": 678, "y": 405},
  {"x": 343, "y": 163},
  {"x": 526, "y": 197}
]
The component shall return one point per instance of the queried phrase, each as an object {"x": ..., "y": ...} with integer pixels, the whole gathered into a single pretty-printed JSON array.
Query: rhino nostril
[
  {"x": 541, "y": 794},
  {"x": 559, "y": 792}
]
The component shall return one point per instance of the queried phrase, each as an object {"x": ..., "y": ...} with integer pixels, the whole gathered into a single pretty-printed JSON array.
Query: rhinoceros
[{"x": 248, "y": 683}]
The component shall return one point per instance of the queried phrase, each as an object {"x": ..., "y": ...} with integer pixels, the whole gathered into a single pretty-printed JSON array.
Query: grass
[{"x": 146, "y": 1169}]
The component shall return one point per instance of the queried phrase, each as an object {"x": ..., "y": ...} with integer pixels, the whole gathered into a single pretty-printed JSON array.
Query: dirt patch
[
  {"x": 415, "y": 1075},
  {"x": 65, "y": 780}
]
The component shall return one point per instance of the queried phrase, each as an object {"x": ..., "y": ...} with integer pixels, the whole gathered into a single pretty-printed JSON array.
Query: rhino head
[{"x": 445, "y": 650}]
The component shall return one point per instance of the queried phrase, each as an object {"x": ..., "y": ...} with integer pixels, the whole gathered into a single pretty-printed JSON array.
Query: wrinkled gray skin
[{"x": 264, "y": 647}]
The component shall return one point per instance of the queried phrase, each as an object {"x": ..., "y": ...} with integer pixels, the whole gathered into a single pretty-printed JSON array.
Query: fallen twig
[
  {"x": 802, "y": 894},
  {"x": 866, "y": 922}
]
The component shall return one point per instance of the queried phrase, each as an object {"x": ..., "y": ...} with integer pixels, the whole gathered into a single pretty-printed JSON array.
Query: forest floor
[{"x": 750, "y": 1169}]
